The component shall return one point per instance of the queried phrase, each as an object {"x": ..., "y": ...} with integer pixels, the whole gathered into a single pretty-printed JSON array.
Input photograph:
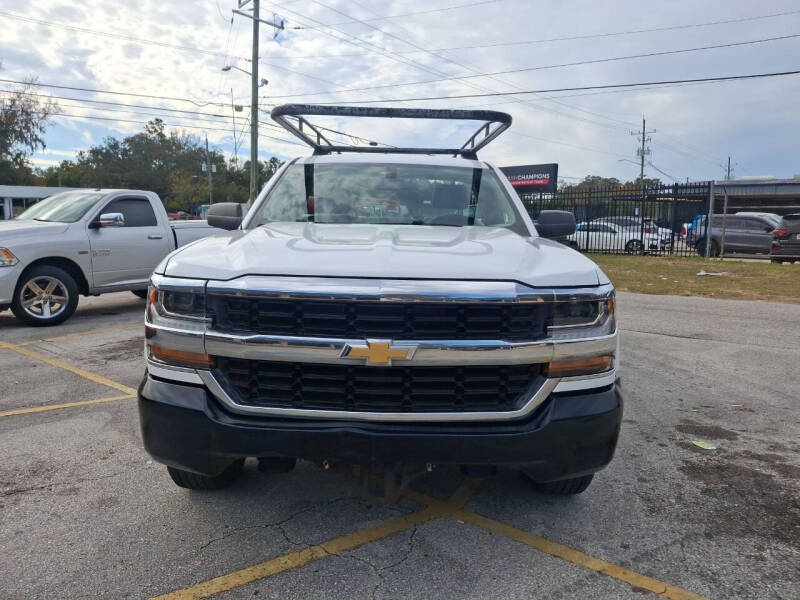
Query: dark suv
[
  {"x": 744, "y": 233},
  {"x": 786, "y": 240}
]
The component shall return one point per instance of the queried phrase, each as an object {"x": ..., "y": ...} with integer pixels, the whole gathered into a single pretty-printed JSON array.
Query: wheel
[
  {"x": 565, "y": 487},
  {"x": 701, "y": 248},
  {"x": 45, "y": 295},
  {"x": 139, "y": 293},
  {"x": 634, "y": 247},
  {"x": 776, "y": 261},
  {"x": 195, "y": 481}
]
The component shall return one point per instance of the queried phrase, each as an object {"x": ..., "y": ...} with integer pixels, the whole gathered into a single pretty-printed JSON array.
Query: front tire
[
  {"x": 565, "y": 487},
  {"x": 195, "y": 481},
  {"x": 701, "y": 248},
  {"x": 634, "y": 247},
  {"x": 45, "y": 295}
]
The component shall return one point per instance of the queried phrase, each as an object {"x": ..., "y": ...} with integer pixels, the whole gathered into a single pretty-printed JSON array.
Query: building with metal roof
[
  {"x": 781, "y": 196},
  {"x": 16, "y": 198}
]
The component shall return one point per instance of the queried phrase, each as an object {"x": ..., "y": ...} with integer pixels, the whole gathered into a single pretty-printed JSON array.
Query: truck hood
[
  {"x": 14, "y": 230},
  {"x": 385, "y": 251}
]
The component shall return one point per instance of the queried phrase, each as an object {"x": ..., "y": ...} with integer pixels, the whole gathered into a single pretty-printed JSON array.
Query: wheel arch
[{"x": 68, "y": 265}]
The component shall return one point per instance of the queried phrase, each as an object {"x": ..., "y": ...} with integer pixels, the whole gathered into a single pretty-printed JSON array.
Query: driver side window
[{"x": 137, "y": 212}]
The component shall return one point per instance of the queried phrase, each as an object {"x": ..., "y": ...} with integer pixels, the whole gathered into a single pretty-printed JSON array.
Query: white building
[{"x": 16, "y": 198}]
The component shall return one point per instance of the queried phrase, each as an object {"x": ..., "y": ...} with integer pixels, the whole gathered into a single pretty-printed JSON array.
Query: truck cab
[
  {"x": 385, "y": 308},
  {"x": 84, "y": 241}
]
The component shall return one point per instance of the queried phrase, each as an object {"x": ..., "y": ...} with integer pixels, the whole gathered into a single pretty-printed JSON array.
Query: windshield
[
  {"x": 389, "y": 194},
  {"x": 66, "y": 207}
]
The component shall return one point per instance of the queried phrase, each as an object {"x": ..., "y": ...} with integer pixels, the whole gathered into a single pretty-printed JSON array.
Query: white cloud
[{"x": 697, "y": 126}]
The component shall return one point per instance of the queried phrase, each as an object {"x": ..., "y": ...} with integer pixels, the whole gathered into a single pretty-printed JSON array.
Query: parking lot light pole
[{"x": 253, "y": 125}]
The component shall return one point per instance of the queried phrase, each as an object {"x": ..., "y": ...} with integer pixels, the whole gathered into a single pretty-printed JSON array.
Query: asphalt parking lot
[{"x": 85, "y": 513}]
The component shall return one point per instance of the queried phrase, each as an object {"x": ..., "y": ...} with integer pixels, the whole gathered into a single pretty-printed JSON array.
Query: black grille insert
[
  {"x": 511, "y": 321},
  {"x": 378, "y": 389}
]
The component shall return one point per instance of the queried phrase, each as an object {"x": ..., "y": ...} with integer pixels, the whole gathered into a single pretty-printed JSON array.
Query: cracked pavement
[{"x": 85, "y": 513}]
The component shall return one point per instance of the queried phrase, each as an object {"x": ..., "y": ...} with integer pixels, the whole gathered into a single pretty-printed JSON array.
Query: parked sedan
[
  {"x": 608, "y": 237},
  {"x": 786, "y": 240}
]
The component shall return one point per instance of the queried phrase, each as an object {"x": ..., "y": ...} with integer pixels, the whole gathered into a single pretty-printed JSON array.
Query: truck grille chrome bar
[{"x": 531, "y": 399}]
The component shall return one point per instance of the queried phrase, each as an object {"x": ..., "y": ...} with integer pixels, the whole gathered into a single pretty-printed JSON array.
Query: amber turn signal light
[
  {"x": 578, "y": 366},
  {"x": 181, "y": 357}
]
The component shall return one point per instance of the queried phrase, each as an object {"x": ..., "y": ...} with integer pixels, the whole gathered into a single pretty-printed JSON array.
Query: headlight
[
  {"x": 183, "y": 304},
  {"x": 585, "y": 315},
  {"x": 175, "y": 322},
  {"x": 7, "y": 258},
  {"x": 582, "y": 315}
]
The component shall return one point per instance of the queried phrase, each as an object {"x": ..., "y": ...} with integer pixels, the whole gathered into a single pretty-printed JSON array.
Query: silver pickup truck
[{"x": 86, "y": 242}]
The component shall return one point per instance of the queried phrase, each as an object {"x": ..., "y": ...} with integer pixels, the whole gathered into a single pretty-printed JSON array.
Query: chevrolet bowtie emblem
[{"x": 378, "y": 352}]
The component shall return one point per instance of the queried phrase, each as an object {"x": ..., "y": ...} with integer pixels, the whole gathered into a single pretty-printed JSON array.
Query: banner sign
[{"x": 529, "y": 179}]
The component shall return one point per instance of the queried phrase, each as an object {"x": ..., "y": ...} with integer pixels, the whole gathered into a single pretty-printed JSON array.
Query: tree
[
  {"x": 23, "y": 122},
  {"x": 166, "y": 162}
]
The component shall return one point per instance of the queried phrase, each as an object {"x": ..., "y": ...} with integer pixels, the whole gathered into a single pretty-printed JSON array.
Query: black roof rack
[{"x": 293, "y": 118}]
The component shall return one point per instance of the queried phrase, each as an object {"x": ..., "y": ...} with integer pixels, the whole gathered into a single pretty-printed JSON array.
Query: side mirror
[
  {"x": 225, "y": 215},
  {"x": 555, "y": 224},
  {"x": 108, "y": 220}
]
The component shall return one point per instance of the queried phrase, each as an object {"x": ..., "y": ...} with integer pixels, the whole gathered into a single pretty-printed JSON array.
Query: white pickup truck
[
  {"x": 86, "y": 242},
  {"x": 395, "y": 309}
]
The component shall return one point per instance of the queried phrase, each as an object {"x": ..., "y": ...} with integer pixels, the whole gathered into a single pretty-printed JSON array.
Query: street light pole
[
  {"x": 256, "y": 17},
  {"x": 254, "y": 107}
]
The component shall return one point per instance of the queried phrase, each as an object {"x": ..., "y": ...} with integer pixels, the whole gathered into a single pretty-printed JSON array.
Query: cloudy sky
[{"x": 165, "y": 59}]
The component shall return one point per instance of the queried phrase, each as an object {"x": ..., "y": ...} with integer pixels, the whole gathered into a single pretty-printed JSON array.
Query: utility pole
[
  {"x": 256, "y": 18},
  {"x": 209, "y": 167},
  {"x": 233, "y": 118},
  {"x": 728, "y": 176},
  {"x": 254, "y": 106},
  {"x": 642, "y": 152}
]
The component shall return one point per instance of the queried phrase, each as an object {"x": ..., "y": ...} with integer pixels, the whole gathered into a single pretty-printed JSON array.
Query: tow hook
[{"x": 384, "y": 484}]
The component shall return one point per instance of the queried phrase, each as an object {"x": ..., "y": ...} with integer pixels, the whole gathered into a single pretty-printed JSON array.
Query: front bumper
[
  {"x": 786, "y": 251},
  {"x": 570, "y": 434},
  {"x": 8, "y": 282}
]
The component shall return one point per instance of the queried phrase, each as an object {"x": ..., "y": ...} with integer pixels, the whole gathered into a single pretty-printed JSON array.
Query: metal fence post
[
  {"x": 724, "y": 223},
  {"x": 674, "y": 220},
  {"x": 710, "y": 216}
]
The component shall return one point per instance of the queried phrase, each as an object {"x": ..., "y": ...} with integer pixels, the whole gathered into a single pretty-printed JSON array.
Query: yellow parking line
[
  {"x": 332, "y": 547},
  {"x": 38, "y": 409},
  {"x": 82, "y": 333},
  {"x": 68, "y": 367},
  {"x": 578, "y": 558}
]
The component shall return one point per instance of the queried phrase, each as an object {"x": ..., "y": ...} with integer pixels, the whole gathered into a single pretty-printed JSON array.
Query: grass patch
[{"x": 678, "y": 277}]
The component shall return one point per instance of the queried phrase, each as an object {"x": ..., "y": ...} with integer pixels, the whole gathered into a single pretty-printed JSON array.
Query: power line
[
  {"x": 116, "y": 93},
  {"x": 419, "y": 12},
  {"x": 224, "y": 118},
  {"x": 149, "y": 42},
  {"x": 91, "y": 101},
  {"x": 628, "y": 32},
  {"x": 662, "y": 172},
  {"x": 544, "y": 67},
  {"x": 574, "y": 89},
  {"x": 202, "y": 128},
  {"x": 108, "y": 34},
  {"x": 393, "y": 55},
  {"x": 564, "y": 38},
  {"x": 559, "y": 143}
]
